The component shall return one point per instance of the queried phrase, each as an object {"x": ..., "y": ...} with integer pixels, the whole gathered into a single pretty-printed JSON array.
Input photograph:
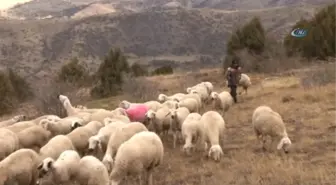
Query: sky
[{"x": 4, "y": 4}]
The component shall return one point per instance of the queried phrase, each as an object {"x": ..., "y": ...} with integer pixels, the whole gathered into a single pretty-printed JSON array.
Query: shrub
[
  {"x": 164, "y": 70},
  {"x": 7, "y": 95},
  {"x": 109, "y": 77},
  {"x": 139, "y": 70},
  {"x": 22, "y": 89},
  {"x": 320, "y": 40},
  {"x": 73, "y": 72}
]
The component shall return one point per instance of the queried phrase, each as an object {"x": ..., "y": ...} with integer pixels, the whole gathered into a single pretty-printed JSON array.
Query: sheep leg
[
  {"x": 174, "y": 139},
  {"x": 149, "y": 177}
]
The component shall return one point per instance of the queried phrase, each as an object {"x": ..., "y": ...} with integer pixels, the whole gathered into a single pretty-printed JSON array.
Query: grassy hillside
[
  {"x": 306, "y": 102},
  {"x": 38, "y": 48}
]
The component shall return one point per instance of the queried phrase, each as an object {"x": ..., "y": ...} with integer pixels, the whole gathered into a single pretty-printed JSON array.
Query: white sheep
[
  {"x": 194, "y": 96},
  {"x": 33, "y": 137},
  {"x": 214, "y": 126},
  {"x": 171, "y": 104},
  {"x": 189, "y": 103},
  {"x": 121, "y": 135},
  {"x": 209, "y": 86},
  {"x": 98, "y": 143},
  {"x": 102, "y": 114},
  {"x": 92, "y": 172},
  {"x": 56, "y": 146},
  {"x": 72, "y": 110},
  {"x": 153, "y": 105},
  {"x": 80, "y": 135},
  {"x": 192, "y": 132},
  {"x": 159, "y": 121},
  {"x": 59, "y": 171},
  {"x": 222, "y": 101},
  {"x": 19, "y": 126},
  {"x": 13, "y": 120},
  {"x": 244, "y": 82},
  {"x": 202, "y": 91},
  {"x": 19, "y": 168},
  {"x": 63, "y": 126},
  {"x": 267, "y": 122},
  {"x": 178, "y": 116},
  {"x": 9, "y": 142},
  {"x": 143, "y": 152}
]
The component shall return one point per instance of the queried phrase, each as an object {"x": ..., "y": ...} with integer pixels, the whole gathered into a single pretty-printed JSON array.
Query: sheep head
[
  {"x": 215, "y": 152},
  {"x": 108, "y": 162},
  {"x": 53, "y": 118},
  {"x": 94, "y": 142},
  {"x": 188, "y": 89},
  {"x": 19, "y": 118},
  {"x": 162, "y": 98},
  {"x": 284, "y": 144},
  {"x": 120, "y": 111},
  {"x": 124, "y": 104},
  {"x": 75, "y": 124},
  {"x": 149, "y": 117},
  {"x": 214, "y": 95},
  {"x": 46, "y": 165}
]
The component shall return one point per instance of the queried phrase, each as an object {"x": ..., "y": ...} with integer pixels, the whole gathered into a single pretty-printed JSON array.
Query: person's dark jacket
[{"x": 233, "y": 76}]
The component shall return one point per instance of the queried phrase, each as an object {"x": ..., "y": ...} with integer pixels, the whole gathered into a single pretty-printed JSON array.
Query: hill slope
[{"x": 39, "y": 47}]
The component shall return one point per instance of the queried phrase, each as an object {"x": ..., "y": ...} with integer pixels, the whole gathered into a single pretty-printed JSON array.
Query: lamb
[
  {"x": 19, "y": 168},
  {"x": 244, "y": 82},
  {"x": 192, "y": 132},
  {"x": 13, "y": 120},
  {"x": 9, "y": 142},
  {"x": 55, "y": 147},
  {"x": 33, "y": 137},
  {"x": 63, "y": 126},
  {"x": 153, "y": 105},
  {"x": 178, "y": 116},
  {"x": 121, "y": 135},
  {"x": 171, "y": 104},
  {"x": 80, "y": 136},
  {"x": 189, "y": 103},
  {"x": 143, "y": 152},
  {"x": 98, "y": 143},
  {"x": 214, "y": 126},
  {"x": 17, "y": 127},
  {"x": 160, "y": 121},
  {"x": 222, "y": 101},
  {"x": 63, "y": 170},
  {"x": 267, "y": 122},
  {"x": 92, "y": 172}
]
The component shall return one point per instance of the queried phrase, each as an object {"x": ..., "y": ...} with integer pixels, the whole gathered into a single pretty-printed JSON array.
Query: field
[{"x": 304, "y": 98}]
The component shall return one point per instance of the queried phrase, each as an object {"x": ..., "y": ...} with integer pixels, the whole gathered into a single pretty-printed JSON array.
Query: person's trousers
[{"x": 233, "y": 92}]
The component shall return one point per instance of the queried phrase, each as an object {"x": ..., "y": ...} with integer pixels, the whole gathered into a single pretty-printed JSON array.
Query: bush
[
  {"x": 320, "y": 40},
  {"x": 21, "y": 88},
  {"x": 164, "y": 70},
  {"x": 7, "y": 95},
  {"x": 73, "y": 72},
  {"x": 139, "y": 70},
  {"x": 110, "y": 75}
]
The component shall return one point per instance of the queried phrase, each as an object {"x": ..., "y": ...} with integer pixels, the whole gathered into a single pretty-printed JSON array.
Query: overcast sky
[{"x": 8, "y": 3}]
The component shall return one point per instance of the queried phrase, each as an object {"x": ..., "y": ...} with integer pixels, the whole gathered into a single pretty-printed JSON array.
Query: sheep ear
[
  {"x": 280, "y": 144},
  {"x": 39, "y": 167}
]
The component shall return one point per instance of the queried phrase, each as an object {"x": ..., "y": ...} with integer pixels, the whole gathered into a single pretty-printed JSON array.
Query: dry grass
[{"x": 310, "y": 118}]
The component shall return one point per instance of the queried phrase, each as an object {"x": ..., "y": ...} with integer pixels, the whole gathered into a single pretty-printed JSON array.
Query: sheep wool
[
  {"x": 33, "y": 137},
  {"x": 143, "y": 152},
  {"x": 19, "y": 168},
  {"x": 267, "y": 122},
  {"x": 214, "y": 126},
  {"x": 222, "y": 101},
  {"x": 244, "y": 82},
  {"x": 92, "y": 172},
  {"x": 9, "y": 142},
  {"x": 56, "y": 146},
  {"x": 189, "y": 103},
  {"x": 121, "y": 135},
  {"x": 153, "y": 105}
]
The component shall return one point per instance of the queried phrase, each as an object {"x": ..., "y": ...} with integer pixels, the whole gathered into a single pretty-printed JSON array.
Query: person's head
[{"x": 234, "y": 63}]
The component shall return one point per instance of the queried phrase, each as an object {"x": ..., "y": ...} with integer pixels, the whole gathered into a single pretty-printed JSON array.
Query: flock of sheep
[{"x": 102, "y": 147}]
